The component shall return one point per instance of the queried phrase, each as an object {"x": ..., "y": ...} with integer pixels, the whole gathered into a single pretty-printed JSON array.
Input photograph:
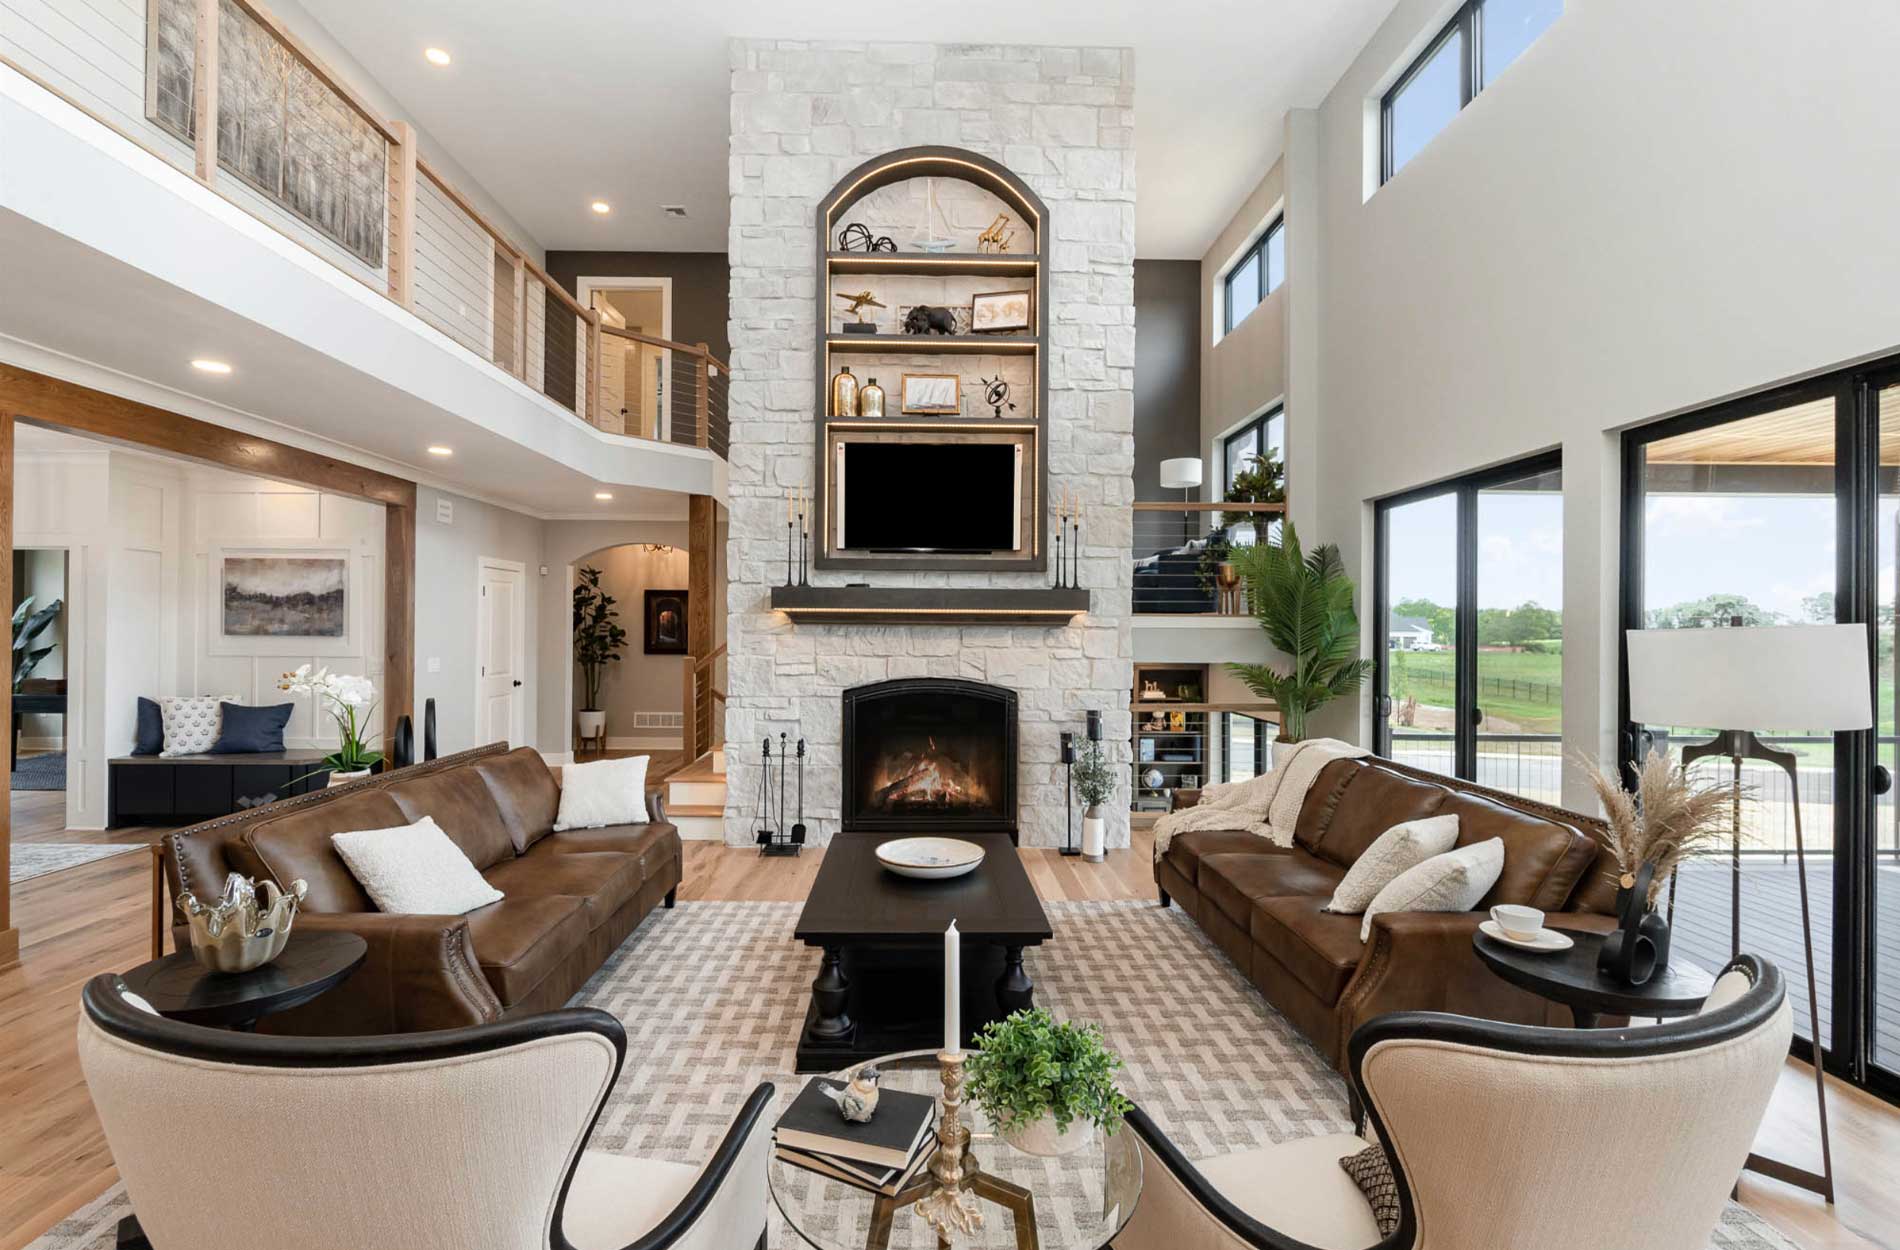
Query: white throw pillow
[
  {"x": 1401, "y": 847},
  {"x": 1454, "y": 881},
  {"x": 414, "y": 870},
  {"x": 605, "y": 792},
  {"x": 191, "y": 722}
]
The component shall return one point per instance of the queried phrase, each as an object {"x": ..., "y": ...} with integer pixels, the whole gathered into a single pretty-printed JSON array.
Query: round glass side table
[{"x": 1077, "y": 1201}]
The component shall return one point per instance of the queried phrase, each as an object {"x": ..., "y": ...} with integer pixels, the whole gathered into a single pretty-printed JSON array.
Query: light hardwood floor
[{"x": 95, "y": 918}]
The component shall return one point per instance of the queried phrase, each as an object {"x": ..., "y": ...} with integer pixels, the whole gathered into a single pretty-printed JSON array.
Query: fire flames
[{"x": 925, "y": 776}]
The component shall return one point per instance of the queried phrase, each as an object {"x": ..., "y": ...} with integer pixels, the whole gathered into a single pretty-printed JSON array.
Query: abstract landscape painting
[{"x": 284, "y": 596}]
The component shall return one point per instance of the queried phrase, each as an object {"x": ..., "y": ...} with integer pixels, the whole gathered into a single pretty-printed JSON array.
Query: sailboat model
[{"x": 928, "y": 240}]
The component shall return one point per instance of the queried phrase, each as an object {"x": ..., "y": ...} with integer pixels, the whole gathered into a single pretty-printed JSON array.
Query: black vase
[{"x": 1639, "y": 948}]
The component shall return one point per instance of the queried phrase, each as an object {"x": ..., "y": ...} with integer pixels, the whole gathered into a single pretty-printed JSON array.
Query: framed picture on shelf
[
  {"x": 1000, "y": 312},
  {"x": 932, "y": 395},
  {"x": 1147, "y": 750}
]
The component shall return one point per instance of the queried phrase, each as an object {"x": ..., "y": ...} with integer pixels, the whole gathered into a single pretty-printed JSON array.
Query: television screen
[{"x": 952, "y": 497}]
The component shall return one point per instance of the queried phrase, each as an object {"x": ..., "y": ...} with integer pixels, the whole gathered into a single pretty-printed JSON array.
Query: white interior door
[{"x": 501, "y": 653}]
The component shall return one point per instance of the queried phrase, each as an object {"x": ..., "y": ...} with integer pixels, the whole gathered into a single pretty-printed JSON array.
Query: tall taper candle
[{"x": 952, "y": 991}]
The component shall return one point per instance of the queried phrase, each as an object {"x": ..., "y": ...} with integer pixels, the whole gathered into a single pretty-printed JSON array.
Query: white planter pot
[
  {"x": 337, "y": 779},
  {"x": 593, "y": 724},
  {"x": 1039, "y": 1136},
  {"x": 1094, "y": 835}
]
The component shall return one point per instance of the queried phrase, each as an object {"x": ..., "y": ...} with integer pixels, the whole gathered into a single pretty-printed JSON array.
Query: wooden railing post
[
  {"x": 402, "y": 216},
  {"x": 204, "y": 91},
  {"x": 593, "y": 367},
  {"x": 702, "y": 397},
  {"x": 521, "y": 319}
]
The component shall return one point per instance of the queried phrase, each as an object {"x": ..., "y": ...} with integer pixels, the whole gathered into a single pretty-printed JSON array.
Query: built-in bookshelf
[{"x": 1170, "y": 733}]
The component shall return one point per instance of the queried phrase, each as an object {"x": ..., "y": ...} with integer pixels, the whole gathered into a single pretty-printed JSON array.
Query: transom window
[
  {"x": 1264, "y": 434},
  {"x": 1470, "y": 52},
  {"x": 1261, "y": 269}
]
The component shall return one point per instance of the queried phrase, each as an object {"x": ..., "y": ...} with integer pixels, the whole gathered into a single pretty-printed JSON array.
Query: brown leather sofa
[
  {"x": 571, "y": 898},
  {"x": 1261, "y": 904}
]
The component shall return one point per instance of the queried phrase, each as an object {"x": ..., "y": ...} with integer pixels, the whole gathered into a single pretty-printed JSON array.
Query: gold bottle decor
[
  {"x": 871, "y": 400},
  {"x": 844, "y": 394}
]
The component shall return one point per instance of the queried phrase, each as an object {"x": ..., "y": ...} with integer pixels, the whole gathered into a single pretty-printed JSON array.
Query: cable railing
[
  {"x": 1531, "y": 765},
  {"x": 1182, "y": 555},
  {"x": 705, "y": 698},
  {"x": 222, "y": 90}
]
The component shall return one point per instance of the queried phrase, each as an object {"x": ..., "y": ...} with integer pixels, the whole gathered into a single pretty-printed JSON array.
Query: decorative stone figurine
[
  {"x": 241, "y": 932},
  {"x": 857, "y": 1102}
]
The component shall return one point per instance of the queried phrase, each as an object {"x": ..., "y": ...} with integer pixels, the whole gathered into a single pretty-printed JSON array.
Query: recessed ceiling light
[
  {"x": 602, "y": 207},
  {"x": 603, "y": 495},
  {"x": 441, "y": 451},
  {"x": 211, "y": 366},
  {"x": 435, "y": 56}
]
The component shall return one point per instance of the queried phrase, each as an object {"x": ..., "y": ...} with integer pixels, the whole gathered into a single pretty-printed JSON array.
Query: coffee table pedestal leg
[
  {"x": 131, "y": 1235},
  {"x": 1014, "y": 990},
  {"x": 831, "y": 994}
]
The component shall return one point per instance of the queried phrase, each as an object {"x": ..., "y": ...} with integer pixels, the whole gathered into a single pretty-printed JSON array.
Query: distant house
[{"x": 1407, "y": 633}]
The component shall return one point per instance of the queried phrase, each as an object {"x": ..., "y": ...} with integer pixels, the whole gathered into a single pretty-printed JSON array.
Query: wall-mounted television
[{"x": 961, "y": 498}]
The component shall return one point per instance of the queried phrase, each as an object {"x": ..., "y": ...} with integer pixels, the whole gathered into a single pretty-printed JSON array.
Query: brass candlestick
[{"x": 949, "y": 1208}]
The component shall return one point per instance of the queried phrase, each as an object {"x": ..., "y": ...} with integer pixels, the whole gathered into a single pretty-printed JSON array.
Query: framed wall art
[
  {"x": 999, "y": 312},
  {"x": 932, "y": 395},
  {"x": 281, "y": 601},
  {"x": 665, "y": 630}
]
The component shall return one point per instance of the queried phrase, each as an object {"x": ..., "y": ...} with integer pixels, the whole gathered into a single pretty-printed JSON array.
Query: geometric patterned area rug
[
  {"x": 36, "y": 859},
  {"x": 713, "y": 996}
]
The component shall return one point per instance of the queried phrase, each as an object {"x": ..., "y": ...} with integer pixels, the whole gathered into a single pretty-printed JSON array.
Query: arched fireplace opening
[{"x": 930, "y": 755}]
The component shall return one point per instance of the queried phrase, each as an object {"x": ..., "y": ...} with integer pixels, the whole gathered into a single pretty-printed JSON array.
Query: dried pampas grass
[{"x": 1670, "y": 818}]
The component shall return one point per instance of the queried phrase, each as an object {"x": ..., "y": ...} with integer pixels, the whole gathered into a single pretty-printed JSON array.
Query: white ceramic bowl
[{"x": 930, "y": 858}]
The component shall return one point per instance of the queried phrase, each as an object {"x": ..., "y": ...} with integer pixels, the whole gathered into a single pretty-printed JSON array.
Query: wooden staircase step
[{"x": 695, "y": 809}]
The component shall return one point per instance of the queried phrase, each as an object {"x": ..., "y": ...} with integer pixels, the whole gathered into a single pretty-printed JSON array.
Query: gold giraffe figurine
[
  {"x": 997, "y": 237},
  {"x": 863, "y": 299}
]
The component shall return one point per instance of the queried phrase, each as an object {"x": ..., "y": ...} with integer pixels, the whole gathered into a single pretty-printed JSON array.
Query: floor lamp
[{"x": 1744, "y": 680}]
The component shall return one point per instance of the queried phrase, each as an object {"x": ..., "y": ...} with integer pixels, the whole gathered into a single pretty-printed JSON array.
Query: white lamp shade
[
  {"x": 1757, "y": 678},
  {"x": 1182, "y": 474}
]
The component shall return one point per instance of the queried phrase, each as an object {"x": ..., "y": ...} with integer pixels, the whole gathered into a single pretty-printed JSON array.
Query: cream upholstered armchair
[
  {"x": 1503, "y": 1136},
  {"x": 461, "y": 1139}
]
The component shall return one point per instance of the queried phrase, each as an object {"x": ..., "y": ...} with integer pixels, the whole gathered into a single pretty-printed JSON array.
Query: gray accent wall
[
  {"x": 1167, "y": 367},
  {"x": 699, "y": 293}
]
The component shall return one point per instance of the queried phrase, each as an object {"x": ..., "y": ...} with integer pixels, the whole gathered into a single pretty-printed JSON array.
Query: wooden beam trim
[{"x": 41, "y": 400}]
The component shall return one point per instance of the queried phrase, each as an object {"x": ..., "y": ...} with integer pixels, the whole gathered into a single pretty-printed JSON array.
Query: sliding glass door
[
  {"x": 1782, "y": 509},
  {"x": 1469, "y": 612}
]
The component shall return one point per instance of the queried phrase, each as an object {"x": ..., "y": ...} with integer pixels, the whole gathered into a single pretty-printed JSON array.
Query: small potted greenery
[
  {"x": 1044, "y": 1085},
  {"x": 1095, "y": 783}
]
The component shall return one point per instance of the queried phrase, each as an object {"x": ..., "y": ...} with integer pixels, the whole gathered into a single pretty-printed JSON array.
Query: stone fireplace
[{"x": 929, "y": 755}]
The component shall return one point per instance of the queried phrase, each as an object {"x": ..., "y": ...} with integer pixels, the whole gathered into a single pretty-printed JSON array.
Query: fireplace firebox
[{"x": 929, "y": 755}]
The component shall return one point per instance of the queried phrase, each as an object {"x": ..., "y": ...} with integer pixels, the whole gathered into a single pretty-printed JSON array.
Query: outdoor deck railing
[
  {"x": 1532, "y": 765},
  {"x": 296, "y": 147}
]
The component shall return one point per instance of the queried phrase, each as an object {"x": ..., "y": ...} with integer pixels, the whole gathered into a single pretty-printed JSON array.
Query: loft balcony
[{"x": 360, "y": 296}]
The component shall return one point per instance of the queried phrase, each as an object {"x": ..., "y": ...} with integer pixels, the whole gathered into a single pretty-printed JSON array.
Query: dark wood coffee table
[{"x": 879, "y": 987}]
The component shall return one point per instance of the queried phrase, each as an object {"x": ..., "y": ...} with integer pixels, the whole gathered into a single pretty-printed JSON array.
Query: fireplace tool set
[
  {"x": 799, "y": 512},
  {"x": 1069, "y": 532},
  {"x": 773, "y": 836}
]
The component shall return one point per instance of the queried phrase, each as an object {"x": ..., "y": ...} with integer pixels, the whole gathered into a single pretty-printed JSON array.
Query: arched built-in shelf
[{"x": 1021, "y": 354}]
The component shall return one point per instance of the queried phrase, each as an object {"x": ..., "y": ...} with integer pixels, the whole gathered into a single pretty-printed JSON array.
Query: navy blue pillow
[
  {"x": 149, "y": 737},
  {"x": 247, "y": 730}
]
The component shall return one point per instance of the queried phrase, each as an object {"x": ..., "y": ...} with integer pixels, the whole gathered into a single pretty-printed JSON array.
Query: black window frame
[
  {"x": 1468, "y": 21},
  {"x": 1258, "y": 426},
  {"x": 1258, "y": 250}
]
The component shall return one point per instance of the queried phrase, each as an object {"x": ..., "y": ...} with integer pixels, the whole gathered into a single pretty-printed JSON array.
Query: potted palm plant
[
  {"x": 1045, "y": 1086},
  {"x": 28, "y": 625},
  {"x": 1304, "y": 603},
  {"x": 598, "y": 642}
]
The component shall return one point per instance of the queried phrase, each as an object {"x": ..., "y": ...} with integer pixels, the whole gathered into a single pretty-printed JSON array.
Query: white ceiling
[{"x": 560, "y": 102}]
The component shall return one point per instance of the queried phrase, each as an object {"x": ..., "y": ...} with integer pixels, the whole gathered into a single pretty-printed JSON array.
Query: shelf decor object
[
  {"x": 967, "y": 264},
  {"x": 1799, "y": 677}
]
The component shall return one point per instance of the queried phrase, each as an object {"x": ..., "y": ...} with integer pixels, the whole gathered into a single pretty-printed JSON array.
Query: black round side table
[
  {"x": 1571, "y": 978},
  {"x": 180, "y": 988}
]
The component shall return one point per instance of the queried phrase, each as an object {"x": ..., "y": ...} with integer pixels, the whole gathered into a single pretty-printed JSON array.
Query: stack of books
[{"x": 881, "y": 1156}]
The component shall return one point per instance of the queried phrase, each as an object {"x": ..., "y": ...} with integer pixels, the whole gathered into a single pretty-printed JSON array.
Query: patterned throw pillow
[
  {"x": 1454, "y": 881},
  {"x": 191, "y": 722},
  {"x": 1372, "y": 1172},
  {"x": 1397, "y": 849}
]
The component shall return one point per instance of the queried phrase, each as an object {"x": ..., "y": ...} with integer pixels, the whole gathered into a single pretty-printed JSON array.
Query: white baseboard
[{"x": 42, "y": 744}]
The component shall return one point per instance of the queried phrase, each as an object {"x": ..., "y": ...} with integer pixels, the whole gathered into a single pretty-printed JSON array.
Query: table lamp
[{"x": 1739, "y": 681}]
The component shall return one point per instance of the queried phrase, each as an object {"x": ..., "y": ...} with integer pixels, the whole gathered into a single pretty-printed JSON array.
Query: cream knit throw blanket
[{"x": 1268, "y": 805}]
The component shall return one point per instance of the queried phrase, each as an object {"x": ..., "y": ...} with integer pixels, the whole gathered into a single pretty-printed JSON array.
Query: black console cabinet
[{"x": 185, "y": 789}]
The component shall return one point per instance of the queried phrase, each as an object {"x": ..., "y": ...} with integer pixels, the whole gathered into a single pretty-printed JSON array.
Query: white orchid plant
[{"x": 350, "y": 701}]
